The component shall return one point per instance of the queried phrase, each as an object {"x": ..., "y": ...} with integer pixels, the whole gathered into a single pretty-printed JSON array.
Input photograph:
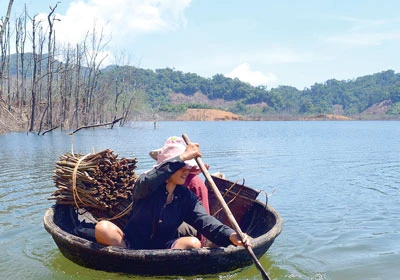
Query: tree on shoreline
[
  {"x": 68, "y": 88},
  {"x": 4, "y": 44},
  {"x": 67, "y": 94}
]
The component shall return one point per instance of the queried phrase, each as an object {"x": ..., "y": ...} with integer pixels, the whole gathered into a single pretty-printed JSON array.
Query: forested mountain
[
  {"x": 67, "y": 86},
  {"x": 71, "y": 93},
  {"x": 348, "y": 97}
]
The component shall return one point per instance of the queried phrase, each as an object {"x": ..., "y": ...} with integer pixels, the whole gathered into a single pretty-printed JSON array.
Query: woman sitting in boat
[
  {"x": 193, "y": 182},
  {"x": 161, "y": 204}
]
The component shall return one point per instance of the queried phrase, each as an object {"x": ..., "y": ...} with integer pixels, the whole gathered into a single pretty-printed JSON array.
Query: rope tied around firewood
[
  {"x": 99, "y": 182},
  {"x": 121, "y": 214},
  {"x": 74, "y": 189}
]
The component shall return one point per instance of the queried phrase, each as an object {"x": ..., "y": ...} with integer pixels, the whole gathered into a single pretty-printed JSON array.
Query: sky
[{"x": 270, "y": 43}]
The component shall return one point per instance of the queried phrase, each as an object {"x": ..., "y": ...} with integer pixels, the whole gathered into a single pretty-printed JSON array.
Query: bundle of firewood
[{"x": 100, "y": 183}]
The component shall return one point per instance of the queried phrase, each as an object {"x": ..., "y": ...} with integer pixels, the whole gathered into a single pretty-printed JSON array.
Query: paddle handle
[{"x": 228, "y": 212}]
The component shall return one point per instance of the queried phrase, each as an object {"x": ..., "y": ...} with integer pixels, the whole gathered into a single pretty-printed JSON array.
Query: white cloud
[
  {"x": 120, "y": 19},
  {"x": 363, "y": 39},
  {"x": 366, "y": 32},
  {"x": 218, "y": 56},
  {"x": 284, "y": 55},
  {"x": 368, "y": 24},
  {"x": 255, "y": 78}
]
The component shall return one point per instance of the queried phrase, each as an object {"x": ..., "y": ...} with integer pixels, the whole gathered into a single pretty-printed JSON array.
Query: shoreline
[{"x": 9, "y": 124}]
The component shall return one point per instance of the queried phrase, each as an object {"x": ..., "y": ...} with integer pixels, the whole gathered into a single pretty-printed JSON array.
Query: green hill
[{"x": 348, "y": 97}]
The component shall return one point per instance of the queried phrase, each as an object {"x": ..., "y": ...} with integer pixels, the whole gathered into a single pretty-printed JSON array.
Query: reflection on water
[{"x": 337, "y": 189}]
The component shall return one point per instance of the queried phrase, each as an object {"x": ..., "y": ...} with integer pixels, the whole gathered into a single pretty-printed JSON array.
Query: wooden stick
[
  {"x": 95, "y": 125},
  {"x": 228, "y": 212},
  {"x": 49, "y": 130}
]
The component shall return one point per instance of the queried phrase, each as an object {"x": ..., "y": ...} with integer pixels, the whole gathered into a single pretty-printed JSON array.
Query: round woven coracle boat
[{"x": 258, "y": 219}]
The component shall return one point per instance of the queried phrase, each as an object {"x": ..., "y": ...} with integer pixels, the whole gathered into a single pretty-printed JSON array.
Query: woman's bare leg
[
  {"x": 107, "y": 233},
  {"x": 187, "y": 242}
]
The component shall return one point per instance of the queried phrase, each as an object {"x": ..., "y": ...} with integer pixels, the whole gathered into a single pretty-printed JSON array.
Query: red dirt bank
[{"x": 208, "y": 115}]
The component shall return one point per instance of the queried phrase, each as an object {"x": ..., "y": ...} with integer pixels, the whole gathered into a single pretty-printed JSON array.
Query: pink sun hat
[{"x": 173, "y": 146}]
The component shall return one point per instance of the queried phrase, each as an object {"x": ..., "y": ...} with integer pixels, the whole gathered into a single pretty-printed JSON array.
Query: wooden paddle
[{"x": 228, "y": 212}]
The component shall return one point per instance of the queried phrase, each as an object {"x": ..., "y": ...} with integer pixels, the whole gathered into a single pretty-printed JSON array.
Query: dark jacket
[{"x": 153, "y": 224}]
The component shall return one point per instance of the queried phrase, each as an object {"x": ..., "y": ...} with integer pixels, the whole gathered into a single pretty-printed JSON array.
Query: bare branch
[
  {"x": 3, "y": 27},
  {"x": 96, "y": 125},
  {"x": 51, "y": 129}
]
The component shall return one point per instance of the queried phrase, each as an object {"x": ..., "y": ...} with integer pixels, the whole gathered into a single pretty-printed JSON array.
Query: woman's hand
[
  {"x": 236, "y": 240},
  {"x": 192, "y": 151}
]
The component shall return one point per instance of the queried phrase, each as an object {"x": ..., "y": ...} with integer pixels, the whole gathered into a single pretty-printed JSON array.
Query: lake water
[{"x": 336, "y": 185}]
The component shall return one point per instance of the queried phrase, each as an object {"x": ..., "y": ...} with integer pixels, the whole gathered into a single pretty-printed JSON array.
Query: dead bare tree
[
  {"x": 77, "y": 89},
  {"x": 48, "y": 110},
  {"x": 8, "y": 53},
  {"x": 18, "y": 32},
  {"x": 128, "y": 91},
  {"x": 126, "y": 108},
  {"x": 68, "y": 93},
  {"x": 3, "y": 27},
  {"x": 50, "y": 62},
  {"x": 93, "y": 47},
  {"x": 4, "y": 43},
  {"x": 96, "y": 125},
  {"x": 7, "y": 17},
  {"x": 23, "y": 89},
  {"x": 34, "y": 75},
  {"x": 65, "y": 87}
]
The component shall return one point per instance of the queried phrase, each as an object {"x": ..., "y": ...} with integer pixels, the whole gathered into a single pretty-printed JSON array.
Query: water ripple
[{"x": 337, "y": 188}]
